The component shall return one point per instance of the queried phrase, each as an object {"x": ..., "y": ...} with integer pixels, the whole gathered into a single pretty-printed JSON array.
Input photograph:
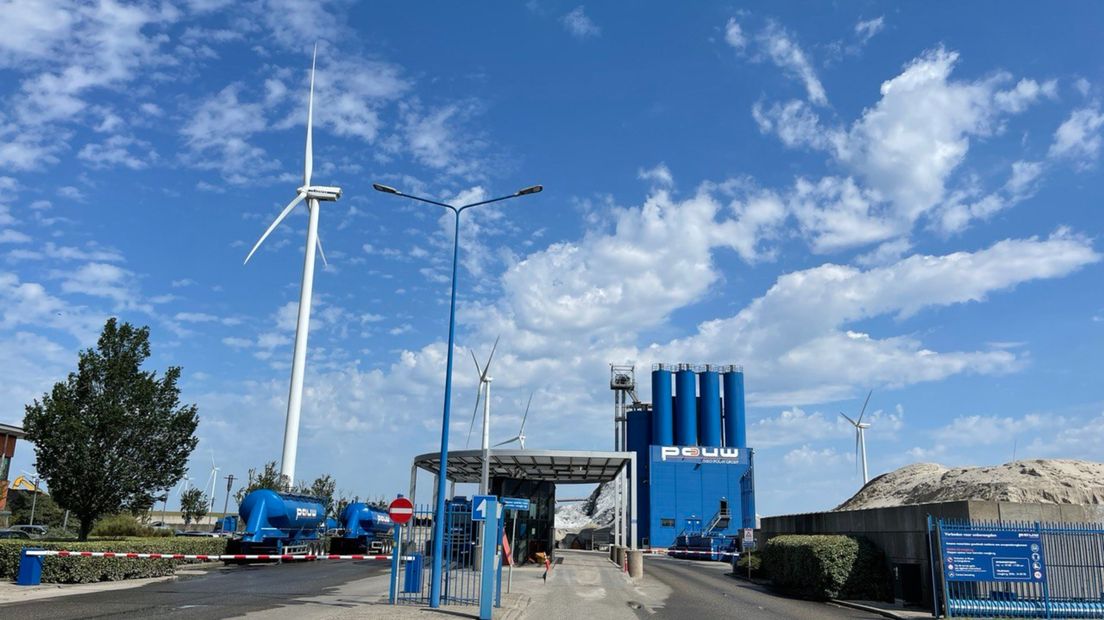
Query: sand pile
[{"x": 1029, "y": 481}]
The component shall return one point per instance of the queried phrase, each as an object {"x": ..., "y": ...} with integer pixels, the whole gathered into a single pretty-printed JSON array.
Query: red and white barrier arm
[
  {"x": 679, "y": 551},
  {"x": 200, "y": 556}
]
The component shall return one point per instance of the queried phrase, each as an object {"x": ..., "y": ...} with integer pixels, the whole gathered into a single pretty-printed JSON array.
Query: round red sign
[{"x": 401, "y": 510}]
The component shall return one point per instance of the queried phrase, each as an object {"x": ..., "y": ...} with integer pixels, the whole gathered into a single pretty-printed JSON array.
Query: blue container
[
  {"x": 686, "y": 414},
  {"x": 30, "y": 569},
  {"x": 662, "y": 417},
  {"x": 639, "y": 441},
  {"x": 412, "y": 574},
  {"x": 734, "y": 415},
  {"x": 709, "y": 408},
  {"x": 272, "y": 515}
]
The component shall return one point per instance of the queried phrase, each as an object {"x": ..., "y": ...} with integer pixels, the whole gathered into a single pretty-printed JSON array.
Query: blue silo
[
  {"x": 709, "y": 408},
  {"x": 686, "y": 414},
  {"x": 734, "y": 415},
  {"x": 639, "y": 441},
  {"x": 662, "y": 419}
]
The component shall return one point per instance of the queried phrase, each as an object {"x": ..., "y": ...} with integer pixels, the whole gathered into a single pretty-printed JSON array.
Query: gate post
[
  {"x": 934, "y": 557},
  {"x": 487, "y": 574},
  {"x": 396, "y": 552}
]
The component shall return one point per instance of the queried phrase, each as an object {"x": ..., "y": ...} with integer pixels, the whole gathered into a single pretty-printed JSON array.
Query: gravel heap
[{"x": 1042, "y": 481}]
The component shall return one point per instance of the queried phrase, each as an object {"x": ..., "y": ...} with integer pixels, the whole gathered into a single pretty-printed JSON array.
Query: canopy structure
[{"x": 555, "y": 466}]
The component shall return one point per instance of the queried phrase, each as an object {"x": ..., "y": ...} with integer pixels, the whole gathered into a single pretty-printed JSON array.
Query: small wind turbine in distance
[
  {"x": 860, "y": 437},
  {"x": 520, "y": 437},
  {"x": 484, "y": 380},
  {"x": 314, "y": 195},
  {"x": 485, "y": 383},
  {"x": 212, "y": 480}
]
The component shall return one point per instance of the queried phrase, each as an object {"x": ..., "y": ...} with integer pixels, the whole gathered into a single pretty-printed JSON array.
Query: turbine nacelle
[{"x": 324, "y": 193}]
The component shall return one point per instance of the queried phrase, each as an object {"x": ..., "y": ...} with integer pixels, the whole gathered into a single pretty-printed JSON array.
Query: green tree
[
  {"x": 193, "y": 505},
  {"x": 325, "y": 489},
  {"x": 268, "y": 478},
  {"x": 111, "y": 436},
  {"x": 46, "y": 511}
]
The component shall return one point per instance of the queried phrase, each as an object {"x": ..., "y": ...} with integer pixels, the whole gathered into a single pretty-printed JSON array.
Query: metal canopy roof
[
  {"x": 561, "y": 466},
  {"x": 11, "y": 431}
]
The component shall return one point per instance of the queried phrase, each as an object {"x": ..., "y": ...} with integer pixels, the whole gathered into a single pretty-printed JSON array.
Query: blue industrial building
[{"x": 696, "y": 478}]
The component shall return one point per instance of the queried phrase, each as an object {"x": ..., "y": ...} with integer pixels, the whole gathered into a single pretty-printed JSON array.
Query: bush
[
  {"x": 827, "y": 567},
  {"x": 90, "y": 570},
  {"x": 746, "y": 557},
  {"x": 125, "y": 525}
]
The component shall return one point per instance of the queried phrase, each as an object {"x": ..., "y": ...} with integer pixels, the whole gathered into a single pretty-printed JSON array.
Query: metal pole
[
  {"x": 632, "y": 464},
  {"x": 226, "y": 502},
  {"x": 513, "y": 541},
  {"x": 396, "y": 553},
  {"x": 485, "y": 474},
  {"x": 439, "y": 512},
  {"x": 34, "y": 499}
]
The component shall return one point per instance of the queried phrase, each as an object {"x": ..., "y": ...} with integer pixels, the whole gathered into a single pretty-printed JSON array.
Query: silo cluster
[{"x": 704, "y": 408}]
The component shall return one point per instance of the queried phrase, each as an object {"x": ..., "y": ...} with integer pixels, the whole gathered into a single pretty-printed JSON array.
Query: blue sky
[{"x": 838, "y": 197}]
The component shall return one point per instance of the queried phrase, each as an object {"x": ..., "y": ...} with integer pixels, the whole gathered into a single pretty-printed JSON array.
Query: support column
[
  {"x": 633, "y": 506},
  {"x": 413, "y": 485}
]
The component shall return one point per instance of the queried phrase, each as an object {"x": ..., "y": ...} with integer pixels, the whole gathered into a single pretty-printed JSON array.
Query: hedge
[
  {"x": 826, "y": 567},
  {"x": 89, "y": 570}
]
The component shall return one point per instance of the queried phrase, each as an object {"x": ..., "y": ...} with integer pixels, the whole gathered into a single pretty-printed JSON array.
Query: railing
[
  {"x": 1019, "y": 569},
  {"x": 459, "y": 577}
]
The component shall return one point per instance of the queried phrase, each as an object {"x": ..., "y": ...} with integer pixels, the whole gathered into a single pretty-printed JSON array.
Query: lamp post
[{"x": 439, "y": 510}]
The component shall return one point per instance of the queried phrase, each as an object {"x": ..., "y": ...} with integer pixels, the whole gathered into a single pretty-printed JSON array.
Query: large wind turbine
[
  {"x": 314, "y": 195},
  {"x": 520, "y": 437},
  {"x": 484, "y": 384},
  {"x": 860, "y": 436}
]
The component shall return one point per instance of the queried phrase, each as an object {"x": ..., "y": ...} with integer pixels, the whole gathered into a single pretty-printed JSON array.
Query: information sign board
[
  {"x": 516, "y": 503},
  {"x": 994, "y": 555}
]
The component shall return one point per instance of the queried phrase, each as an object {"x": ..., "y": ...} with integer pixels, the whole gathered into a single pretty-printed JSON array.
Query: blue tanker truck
[
  {"x": 365, "y": 530},
  {"x": 279, "y": 523}
]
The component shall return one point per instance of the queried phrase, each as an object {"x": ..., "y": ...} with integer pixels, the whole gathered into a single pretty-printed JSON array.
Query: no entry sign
[{"x": 401, "y": 510}]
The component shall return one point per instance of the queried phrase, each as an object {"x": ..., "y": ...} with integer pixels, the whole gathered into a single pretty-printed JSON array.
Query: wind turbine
[
  {"x": 314, "y": 195},
  {"x": 520, "y": 437},
  {"x": 212, "y": 480},
  {"x": 484, "y": 384},
  {"x": 860, "y": 436}
]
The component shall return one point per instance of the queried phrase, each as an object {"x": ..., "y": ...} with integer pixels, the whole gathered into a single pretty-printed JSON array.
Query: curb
[{"x": 886, "y": 613}]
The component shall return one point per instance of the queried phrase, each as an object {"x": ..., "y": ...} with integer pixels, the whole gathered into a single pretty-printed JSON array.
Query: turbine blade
[
  {"x": 861, "y": 413},
  {"x": 275, "y": 223},
  {"x": 308, "y": 159},
  {"x": 478, "y": 369},
  {"x": 526, "y": 416},
  {"x": 490, "y": 357},
  {"x": 502, "y": 443},
  {"x": 478, "y": 396},
  {"x": 853, "y": 423},
  {"x": 318, "y": 241}
]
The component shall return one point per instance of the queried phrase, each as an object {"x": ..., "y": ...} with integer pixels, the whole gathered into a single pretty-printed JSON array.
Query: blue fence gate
[
  {"x": 1018, "y": 569},
  {"x": 459, "y": 577}
]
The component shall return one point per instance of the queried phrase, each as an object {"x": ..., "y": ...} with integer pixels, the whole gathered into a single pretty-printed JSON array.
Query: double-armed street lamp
[{"x": 439, "y": 511}]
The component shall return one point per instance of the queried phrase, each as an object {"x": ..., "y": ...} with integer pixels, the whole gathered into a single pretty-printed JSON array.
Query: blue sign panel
[
  {"x": 698, "y": 454},
  {"x": 515, "y": 503},
  {"x": 993, "y": 556},
  {"x": 479, "y": 506}
]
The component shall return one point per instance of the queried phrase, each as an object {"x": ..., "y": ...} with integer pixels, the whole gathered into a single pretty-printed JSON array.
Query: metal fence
[
  {"x": 459, "y": 577},
  {"x": 1018, "y": 570}
]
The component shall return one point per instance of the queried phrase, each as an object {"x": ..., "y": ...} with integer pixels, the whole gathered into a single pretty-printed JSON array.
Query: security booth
[
  {"x": 533, "y": 475},
  {"x": 8, "y": 436}
]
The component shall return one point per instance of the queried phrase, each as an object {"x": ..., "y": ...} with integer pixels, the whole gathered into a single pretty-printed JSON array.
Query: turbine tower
[
  {"x": 520, "y": 437},
  {"x": 314, "y": 195},
  {"x": 860, "y": 437},
  {"x": 484, "y": 384}
]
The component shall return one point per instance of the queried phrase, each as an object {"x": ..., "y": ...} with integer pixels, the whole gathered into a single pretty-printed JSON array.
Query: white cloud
[
  {"x": 13, "y": 236},
  {"x": 866, "y": 29},
  {"x": 1078, "y": 138},
  {"x": 218, "y": 135},
  {"x": 660, "y": 175},
  {"x": 579, "y": 25},
  {"x": 119, "y": 150},
  {"x": 785, "y": 53},
  {"x": 734, "y": 35},
  {"x": 70, "y": 192}
]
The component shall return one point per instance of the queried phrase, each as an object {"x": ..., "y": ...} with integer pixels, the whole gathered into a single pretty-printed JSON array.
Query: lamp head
[
  {"x": 386, "y": 189},
  {"x": 533, "y": 189}
]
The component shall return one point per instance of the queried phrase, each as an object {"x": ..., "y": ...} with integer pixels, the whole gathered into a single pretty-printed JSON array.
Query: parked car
[
  {"x": 17, "y": 534},
  {"x": 203, "y": 534},
  {"x": 34, "y": 531}
]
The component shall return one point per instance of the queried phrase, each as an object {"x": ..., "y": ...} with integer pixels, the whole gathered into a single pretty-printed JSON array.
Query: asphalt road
[
  {"x": 218, "y": 593},
  {"x": 707, "y": 590}
]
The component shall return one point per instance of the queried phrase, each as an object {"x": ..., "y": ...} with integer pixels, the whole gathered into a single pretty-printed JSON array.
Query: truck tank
[
  {"x": 279, "y": 523},
  {"x": 366, "y": 529}
]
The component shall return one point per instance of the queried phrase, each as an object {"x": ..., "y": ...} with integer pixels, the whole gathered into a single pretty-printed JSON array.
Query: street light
[{"x": 439, "y": 511}]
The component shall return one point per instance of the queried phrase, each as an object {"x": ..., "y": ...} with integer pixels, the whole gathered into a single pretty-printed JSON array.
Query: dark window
[{"x": 666, "y": 523}]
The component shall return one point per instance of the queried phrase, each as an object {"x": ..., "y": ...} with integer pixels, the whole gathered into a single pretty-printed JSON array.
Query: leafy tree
[
  {"x": 324, "y": 488},
  {"x": 46, "y": 511},
  {"x": 268, "y": 478},
  {"x": 193, "y": 505},
  {"x": 110, "y": 436}
]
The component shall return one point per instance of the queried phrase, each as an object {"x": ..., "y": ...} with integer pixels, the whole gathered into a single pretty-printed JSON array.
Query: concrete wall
[{"x": 901, "y": 531}]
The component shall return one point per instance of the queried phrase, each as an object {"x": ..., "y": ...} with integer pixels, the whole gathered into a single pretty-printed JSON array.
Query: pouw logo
[
  {"x": 308, "y": 513},
  {"x": 694, "y": 452}
]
